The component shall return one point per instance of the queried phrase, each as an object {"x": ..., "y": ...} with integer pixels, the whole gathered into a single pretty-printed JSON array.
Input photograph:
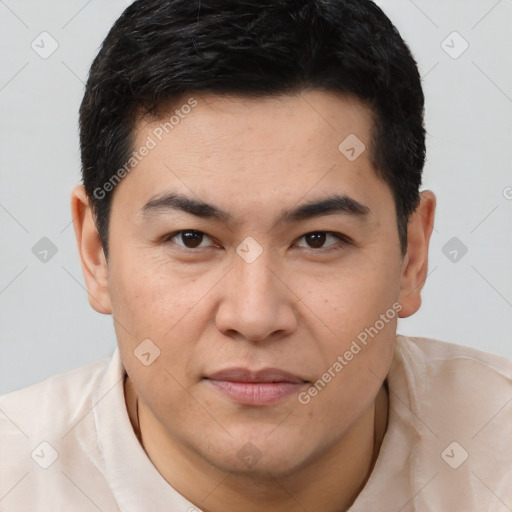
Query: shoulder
[
  {"x": 439, "y": 377},
  {"x": 432, "y": 355},
  {"x": 47, "y": 434},
  {"x": 54, "y": 397},
  {"x": 458, "y": 402},
  {"x": 443, "y": 350},
  {"x": 449, "y": 408}
]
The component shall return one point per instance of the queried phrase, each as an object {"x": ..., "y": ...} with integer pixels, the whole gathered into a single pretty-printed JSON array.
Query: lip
[{"x": 257, "y": 388}]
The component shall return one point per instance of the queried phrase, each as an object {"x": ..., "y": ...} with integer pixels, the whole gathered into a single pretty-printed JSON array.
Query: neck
[{"x": 337, "y": 476}]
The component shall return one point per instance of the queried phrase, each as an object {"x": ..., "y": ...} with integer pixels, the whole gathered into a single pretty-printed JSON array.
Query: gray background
[{"x": 47, "y": 325}]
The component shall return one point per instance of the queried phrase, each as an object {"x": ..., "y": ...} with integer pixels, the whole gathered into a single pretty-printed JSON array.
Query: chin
[
  {"x": 258, "y": 456},
  {"x": 260, "y": 469}
]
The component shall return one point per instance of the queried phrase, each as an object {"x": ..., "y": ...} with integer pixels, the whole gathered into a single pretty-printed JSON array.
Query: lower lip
[{"x": 257, "y": 393}]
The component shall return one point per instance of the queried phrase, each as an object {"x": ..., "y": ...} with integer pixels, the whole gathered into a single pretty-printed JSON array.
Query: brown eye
[
  {"x": 315, "y": 240},
  {"x": 190, "y": 238}
]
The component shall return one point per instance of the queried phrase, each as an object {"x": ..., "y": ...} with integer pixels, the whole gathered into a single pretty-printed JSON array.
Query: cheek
[
  {"x": 361, "y": 310},
  {"x": 350, "y": 298},
  {"x": 159, "y": 306},
  {"x": 154, "y": 298},
  {"x": 353, "y": 365}
]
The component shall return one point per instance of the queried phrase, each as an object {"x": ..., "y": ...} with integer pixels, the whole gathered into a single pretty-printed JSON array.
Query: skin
[{"x": 296, "y": 307}]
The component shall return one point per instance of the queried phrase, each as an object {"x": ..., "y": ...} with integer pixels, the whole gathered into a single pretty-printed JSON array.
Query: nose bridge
[
  {"x": 255, "y": 302},
  {"x": 254, "y": 281}
]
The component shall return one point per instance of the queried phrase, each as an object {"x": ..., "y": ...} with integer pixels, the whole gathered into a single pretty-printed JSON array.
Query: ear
[
  {"x": 92, "y": 257},
  {"x": 415, "y": 262}
]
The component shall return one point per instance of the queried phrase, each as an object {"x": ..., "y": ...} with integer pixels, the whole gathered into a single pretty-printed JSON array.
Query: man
[{"x": 251, "y": 218}]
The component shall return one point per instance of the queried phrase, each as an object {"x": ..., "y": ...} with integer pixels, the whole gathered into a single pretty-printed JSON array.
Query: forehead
[
  {"x": 255, "y": 150},
  {"x": 278, "y": 120}
]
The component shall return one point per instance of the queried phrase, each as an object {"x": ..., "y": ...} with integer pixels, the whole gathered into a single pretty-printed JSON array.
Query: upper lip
[{"x": 247, "y": 375}]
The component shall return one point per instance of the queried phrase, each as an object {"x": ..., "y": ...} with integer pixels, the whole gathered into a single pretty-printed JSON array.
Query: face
[{"x": 277, "y": 282}]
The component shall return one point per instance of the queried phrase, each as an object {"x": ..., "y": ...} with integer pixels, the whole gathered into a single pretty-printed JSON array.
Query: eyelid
[
  {"x": 170, "y": 236},
  {"x": 342, "y": 240}
]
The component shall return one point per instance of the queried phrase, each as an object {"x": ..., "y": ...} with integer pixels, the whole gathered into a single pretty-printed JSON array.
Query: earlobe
[
  {"x": 415, "y": 263},
  {"x": 92, "y": 257}
]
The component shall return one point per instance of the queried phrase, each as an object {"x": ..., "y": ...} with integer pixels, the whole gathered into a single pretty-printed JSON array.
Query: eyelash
[{"x": 343, "y": 240}]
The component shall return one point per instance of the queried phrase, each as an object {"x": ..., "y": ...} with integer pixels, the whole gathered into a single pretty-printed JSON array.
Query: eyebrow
[{"x": 333, "y": 204}]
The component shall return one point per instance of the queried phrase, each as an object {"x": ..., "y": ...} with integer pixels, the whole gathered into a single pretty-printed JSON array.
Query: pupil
[
  {"x": 192, "y": 239},
  {"x": 316, "y": 240}
]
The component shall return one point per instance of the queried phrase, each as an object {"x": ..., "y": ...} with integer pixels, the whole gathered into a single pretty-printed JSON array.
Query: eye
[
  {"x": 317, "y": 239},
  {"x": 188, "y": 238},
  {"x": 193, "y": 239}
]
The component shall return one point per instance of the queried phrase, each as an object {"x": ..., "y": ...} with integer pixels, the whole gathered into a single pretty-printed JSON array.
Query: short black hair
[{"x": 159, "y": 50}]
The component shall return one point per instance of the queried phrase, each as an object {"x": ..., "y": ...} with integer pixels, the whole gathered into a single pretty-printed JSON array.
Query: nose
[{"x": 256, "y": 302}]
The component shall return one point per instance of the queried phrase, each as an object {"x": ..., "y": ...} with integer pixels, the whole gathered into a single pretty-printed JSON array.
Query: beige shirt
[{"x": 67, "y": 444}]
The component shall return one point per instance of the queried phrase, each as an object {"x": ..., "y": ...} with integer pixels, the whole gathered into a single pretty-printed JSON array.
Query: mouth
[{"x": 256, "y": 388}]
